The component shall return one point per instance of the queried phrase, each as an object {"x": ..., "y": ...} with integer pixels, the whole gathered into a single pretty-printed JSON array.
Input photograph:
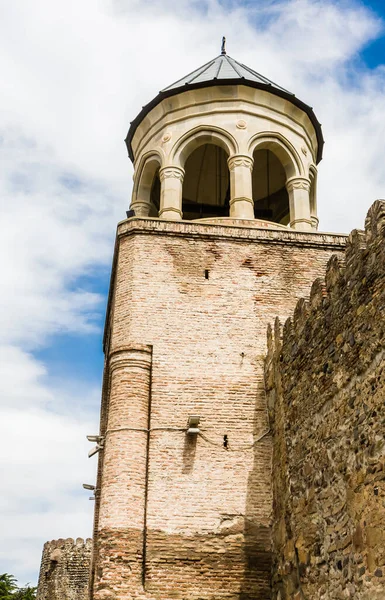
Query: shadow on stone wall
[
  {"x": 257, "y": 532},
  {"x": 189, "y": 451}
]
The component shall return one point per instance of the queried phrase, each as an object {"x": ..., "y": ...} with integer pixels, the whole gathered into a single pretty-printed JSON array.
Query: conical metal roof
[
  {"x": 221, "y": 68},
  {"x": 224, "y": 70}
]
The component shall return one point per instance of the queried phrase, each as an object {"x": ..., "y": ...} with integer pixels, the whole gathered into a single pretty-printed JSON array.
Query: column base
[
  {"x": 242, "y": 208},
  {"x": 314, "y": 222},
  {"x": 171, "y": 214},
  {"x": 301, "y": 225}
]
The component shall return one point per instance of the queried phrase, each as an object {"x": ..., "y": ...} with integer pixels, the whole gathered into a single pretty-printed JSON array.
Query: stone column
[
  {"x": 171, "y": 181},
  {"x": 298, "y": 189},
  {"x": 121, "y": 521},
  {"x": 313, "y": 200},
  {"x": 241, "y": 193}
]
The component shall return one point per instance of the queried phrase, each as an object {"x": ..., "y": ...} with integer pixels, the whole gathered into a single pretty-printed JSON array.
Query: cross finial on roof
[{"x": 223, "y": 49}]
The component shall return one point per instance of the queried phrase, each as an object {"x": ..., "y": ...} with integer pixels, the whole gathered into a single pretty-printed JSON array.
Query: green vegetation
[{"x": 9, "y": 590}]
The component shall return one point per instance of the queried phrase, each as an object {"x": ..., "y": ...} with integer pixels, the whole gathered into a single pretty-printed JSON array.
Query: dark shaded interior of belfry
[{"x": 206, "y": 186}]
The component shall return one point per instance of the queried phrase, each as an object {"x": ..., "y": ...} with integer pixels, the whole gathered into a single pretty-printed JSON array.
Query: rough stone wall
[
  {"x": 65, "y": 570},
  {"x": 183, "y": 516},
  {"x": 325, "y": 383}
]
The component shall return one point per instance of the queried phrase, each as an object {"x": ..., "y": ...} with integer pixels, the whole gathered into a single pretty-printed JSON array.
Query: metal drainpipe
[
  {"x": 103, "y": 426},
  {"x": 144, "y": 549}
]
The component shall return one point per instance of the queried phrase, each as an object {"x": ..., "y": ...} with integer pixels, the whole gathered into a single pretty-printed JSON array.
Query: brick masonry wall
[
  {"x": 183, "y": 516},
  {"x": 65, "y": 570},
  {"x": 325, "y": 383}
]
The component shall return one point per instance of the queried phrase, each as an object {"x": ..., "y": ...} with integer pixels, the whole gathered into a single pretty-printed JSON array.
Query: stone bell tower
[{"x": 221, "y": 237}]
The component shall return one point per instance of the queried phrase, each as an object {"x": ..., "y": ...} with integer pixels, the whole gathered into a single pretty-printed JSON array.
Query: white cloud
[
  {"x": 74, "y": 75},
  {"x": 43, "y": 463}
]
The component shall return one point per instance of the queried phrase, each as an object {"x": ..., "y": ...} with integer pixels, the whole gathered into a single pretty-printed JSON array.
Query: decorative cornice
[
  {"x": 298, "y": 183},
  {"x": 218, "y": 82},
  {"x": 240, "y": 160},
  {"x": 256, "y": 110},
  {"x": 199, "y": 230},
  {"x": 171, "y": 172}
]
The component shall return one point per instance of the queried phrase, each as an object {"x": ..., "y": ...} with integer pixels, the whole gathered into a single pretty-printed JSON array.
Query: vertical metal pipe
[{"x": 144, "y": 551}]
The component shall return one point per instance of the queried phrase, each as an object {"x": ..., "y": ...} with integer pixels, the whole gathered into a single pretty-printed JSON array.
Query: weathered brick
[{"x": 200, "y": 526}]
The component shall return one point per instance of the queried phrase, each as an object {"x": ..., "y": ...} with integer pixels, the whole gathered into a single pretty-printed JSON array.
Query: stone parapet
[
  {"x": 325, "y": 381},
  {"x": 243, "y": 231}
]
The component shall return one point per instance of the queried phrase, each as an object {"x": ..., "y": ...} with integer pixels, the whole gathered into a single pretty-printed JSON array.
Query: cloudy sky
[{"x": 74, "y": 74}]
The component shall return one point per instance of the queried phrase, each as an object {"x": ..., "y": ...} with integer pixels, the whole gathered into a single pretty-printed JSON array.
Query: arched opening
[
  {"x": 313, "y": 197},
  {"x": 271, "y": 200},
  {"x": 206, "y": 184},
  {"x": 155, "y": 195},
  {"x": 146, "y": 197}
]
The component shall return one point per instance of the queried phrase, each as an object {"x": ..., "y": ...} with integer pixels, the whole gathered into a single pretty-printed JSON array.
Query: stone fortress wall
[
  {"x": 65, "y": 570},
  {"x": 325, "y": 380}
]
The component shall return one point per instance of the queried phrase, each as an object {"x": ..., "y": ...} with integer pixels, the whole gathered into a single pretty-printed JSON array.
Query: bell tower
[
  {"x": 221, "y": 237},
  {"x": 226, "y": 142}
]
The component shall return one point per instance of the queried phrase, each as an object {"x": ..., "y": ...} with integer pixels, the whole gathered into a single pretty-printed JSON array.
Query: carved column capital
[
  {"x": 171, "y": 172},
  {"x": 240, "y": 160},
  {"x": 298, "y": 183},
  {"x": 140, "y": 207},
  {"x": 241, "y": 188}
]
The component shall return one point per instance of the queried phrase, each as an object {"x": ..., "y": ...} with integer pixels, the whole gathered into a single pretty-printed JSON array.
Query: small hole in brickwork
[
  {"x": 339, "y": 565},
  {"x": 206, "y": 273},
  {"x": 225, "y": 441}
]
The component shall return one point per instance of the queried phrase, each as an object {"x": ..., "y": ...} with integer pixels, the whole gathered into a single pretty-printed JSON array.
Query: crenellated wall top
[{"x": 331, "y": 322}]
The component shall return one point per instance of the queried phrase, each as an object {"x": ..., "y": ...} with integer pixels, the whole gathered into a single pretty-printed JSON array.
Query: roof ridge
[
  {"x": 234, "y": 65},
  {"x": 200, "y": 69},
  {"x": 231, "y": 60},
  {"x": 220, "y": 66},
  {"x": 207, "y": 66},
  {"x": 268, "y": 81}
]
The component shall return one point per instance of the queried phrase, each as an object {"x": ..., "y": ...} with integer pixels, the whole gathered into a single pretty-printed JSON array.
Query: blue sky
[
  {"x": 82, "y": 355},
  {"x": 75, "y": 74},
  {"x": 373, "y": 54}
]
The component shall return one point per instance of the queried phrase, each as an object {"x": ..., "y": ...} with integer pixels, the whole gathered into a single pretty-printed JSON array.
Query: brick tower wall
[
  {"x": 326, "y": 386},
  {"x": 181, "y": 516},
  {"x": 65, "y": 570}
]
